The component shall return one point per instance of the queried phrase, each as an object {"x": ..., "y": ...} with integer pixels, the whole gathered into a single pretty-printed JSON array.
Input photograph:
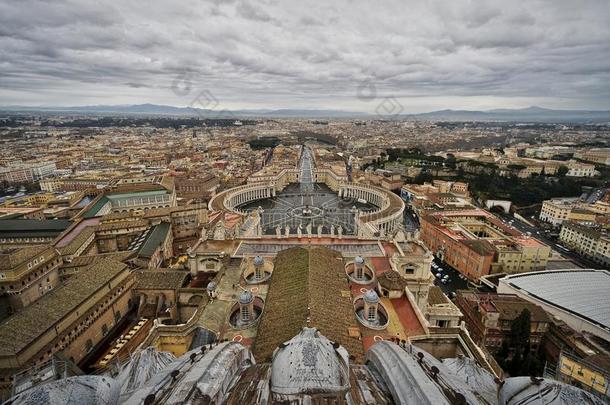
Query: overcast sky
[{"x": 349, "y": 55}]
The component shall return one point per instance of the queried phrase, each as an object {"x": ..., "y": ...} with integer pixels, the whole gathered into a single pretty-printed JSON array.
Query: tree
[
  {"x": 523, "y": 362},
  {"x": 562, "y": 171},
  {"x": 451, "y": 161},
  {"x": 520, "y": 329}
]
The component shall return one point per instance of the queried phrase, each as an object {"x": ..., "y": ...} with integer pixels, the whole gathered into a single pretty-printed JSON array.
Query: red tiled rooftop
[
  {"x": 369, "y": 340},
  {"x": 381, "y": 264},
  {"x": 407, "y": 316}
]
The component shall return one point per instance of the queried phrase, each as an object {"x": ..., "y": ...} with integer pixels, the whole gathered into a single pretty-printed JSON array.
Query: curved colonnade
[{"x": 384, "y": 220}]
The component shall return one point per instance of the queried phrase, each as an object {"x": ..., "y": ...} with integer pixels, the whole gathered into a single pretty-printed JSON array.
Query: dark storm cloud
[{"x": 427, "y": 54}]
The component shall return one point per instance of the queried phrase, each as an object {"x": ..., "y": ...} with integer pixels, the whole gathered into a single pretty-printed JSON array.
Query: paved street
[
  {"x": 542, "y": 236},
  {"x": 453, "y": 283}
]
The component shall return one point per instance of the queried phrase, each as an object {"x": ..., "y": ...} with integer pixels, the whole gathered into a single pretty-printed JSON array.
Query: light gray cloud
[{"x": 308, "y": 54}]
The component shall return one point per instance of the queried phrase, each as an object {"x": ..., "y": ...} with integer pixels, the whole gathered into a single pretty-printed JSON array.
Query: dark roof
[
  {"x": 96, "y": 207},
  {"x": 202, "y": 336},
  {"x": 510, "y": 307},
  {"x": 33, "y": 227},
  {"x": 306, "y": 291},
  {"x": 154, "y": 240}
]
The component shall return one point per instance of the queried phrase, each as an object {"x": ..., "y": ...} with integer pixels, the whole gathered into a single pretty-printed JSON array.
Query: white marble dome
[{"x": 309, "y": 363}]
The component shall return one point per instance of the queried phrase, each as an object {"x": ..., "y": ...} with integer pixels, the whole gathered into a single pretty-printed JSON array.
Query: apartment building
[
  {"x": 489, "y": 318},
  {"x": 589, "y": 241},
  {"x": 27, "y": 172},
  {"x": 556, "y": 210},
  {"x": 601, "y": 156},
  {"x": 476, "y": 243},
  {"x": 578, "y": 169}
]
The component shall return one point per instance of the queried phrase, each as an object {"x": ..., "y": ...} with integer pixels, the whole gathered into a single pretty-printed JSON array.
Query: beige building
[
  {"x": 556, "y": 210},
  {"x": 591, "y": 242},
  {"x": 601, "y": 156},
  {"x": 72, "y": 319},
  {"x": 26, "y": 274},
  {"x": 578, "y": 169},
  {"x": 521, "y": 256}
]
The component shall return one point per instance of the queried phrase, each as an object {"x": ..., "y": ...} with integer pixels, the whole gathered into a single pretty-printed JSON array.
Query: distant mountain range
[
  {"x": 530, "y": 114},
  {"x": 155, "y": 109}
]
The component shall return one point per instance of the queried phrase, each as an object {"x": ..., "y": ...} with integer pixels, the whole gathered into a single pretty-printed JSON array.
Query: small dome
[
  {"x": 245, "y": 297},
  {"x": 309, "y": 364},
  {"x": 371, "y": 297},
  {"x": 359, "y": 260},
  {"x": 258, "y": 261},
  {"x": 211, "y": 286}
]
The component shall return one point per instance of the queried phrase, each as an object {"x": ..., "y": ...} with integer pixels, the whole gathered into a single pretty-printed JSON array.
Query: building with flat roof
[
  {"x": 476, "y": 243},
  {"x": 556, "y": 210},
  {"x": 580, "y": 298},
  {"x": 489, "y": 318},
  {"x": 589, "y": 241},
  {"x": 27, "y": 232}
]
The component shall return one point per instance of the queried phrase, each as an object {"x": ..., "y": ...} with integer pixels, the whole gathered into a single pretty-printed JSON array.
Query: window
[
  {"x": 245, "y": 313},
  {"x": 372, "y": 315},
  {"x": 104, "y": 329},
  {"x": 89, "y": 345}
]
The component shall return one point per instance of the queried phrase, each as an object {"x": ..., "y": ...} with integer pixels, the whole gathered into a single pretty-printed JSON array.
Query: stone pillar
[
  {"x": 193, "y": 263},
  {"x": 160, "y": 302}
]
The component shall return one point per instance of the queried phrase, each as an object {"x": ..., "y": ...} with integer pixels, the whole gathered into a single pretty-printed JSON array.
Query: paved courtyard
[{"x": 308, "y": 207}]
